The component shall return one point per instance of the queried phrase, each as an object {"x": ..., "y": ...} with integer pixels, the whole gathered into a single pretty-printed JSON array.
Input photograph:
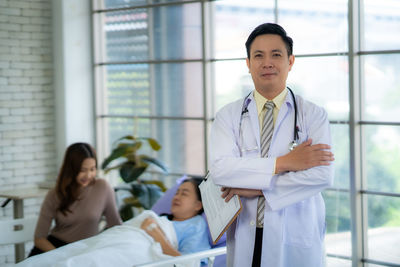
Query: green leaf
[
  {"x": 131, "y": 146},
  {"x": 132, "y": 201},
  {"x": 126, "y": 212},
  {"x": 157, "y": 183},
  {"x": 151, "y": 193},
  {"x": 137, "y": 146},
  {"x": 154, "y": 144},
  {"x": 130, "y": 171},
  {"x": 155, "y": 193},
  {"x": 126, "y": 137},
  {"x": 107, "y": 170},
  {"x": 137, "y": 189},
  {"x": 144, "y": 197},
  {"x": 131, "y": 165},
  {"x": 116, "y": 153},
  {"x": 123, "y": 187},
  {"x": 154, "y": 161}
]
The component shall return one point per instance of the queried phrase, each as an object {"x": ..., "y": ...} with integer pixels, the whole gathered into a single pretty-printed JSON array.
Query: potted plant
[{"x": 131, "y": 165}]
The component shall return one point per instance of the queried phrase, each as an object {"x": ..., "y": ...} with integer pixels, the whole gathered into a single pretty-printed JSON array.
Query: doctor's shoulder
[
  {"x": 228, "y": 117},
  {"x": 232, "y": 109},
  {"x": 311, "y": 110}
]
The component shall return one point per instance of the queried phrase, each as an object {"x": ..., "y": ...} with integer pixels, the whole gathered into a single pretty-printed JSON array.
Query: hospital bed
[
  {"x": 124, "y": 245},
  {"x": 207, "y": 254}
]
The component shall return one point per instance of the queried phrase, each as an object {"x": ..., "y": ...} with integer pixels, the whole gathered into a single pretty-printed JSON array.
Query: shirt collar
[{"x": 260, "y": 100}]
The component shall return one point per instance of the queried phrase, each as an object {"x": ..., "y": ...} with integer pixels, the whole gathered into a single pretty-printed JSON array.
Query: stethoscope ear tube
[{"x": 296, "y": 128}]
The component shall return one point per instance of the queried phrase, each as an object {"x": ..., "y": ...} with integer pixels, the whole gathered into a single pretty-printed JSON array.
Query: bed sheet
[{"x": 119, "y": 246}]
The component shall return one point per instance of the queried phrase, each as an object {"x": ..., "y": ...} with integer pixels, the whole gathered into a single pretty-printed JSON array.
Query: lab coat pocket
[{"x": 299, "y": 225}]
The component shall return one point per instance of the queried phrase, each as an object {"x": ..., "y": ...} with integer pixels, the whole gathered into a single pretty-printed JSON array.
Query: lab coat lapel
[
  {"x": 284, "y": 111},
  {"x": 254, "y": 119}
]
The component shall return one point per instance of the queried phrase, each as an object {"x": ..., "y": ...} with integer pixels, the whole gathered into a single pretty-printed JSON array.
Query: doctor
[{"x": 280, "y": 181}]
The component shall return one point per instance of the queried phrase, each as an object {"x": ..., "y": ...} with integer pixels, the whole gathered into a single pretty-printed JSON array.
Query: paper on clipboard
[{"x": 220, "y": 214}]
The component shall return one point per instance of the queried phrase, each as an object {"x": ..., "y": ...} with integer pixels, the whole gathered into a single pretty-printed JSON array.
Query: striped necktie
[{"x": 265, "y": 140}]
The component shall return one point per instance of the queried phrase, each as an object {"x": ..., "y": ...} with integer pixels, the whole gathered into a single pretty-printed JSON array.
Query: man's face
[{"x": 269, "y": 64}]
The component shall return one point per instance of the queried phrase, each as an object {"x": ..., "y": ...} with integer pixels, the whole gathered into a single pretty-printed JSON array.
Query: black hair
[
  {"x": 270, "y": 28},
  {"x": 196, "y": 181}
]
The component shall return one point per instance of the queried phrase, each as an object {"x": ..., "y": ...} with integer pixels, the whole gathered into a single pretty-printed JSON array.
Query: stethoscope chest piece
[{"x": 292, "y": 145}]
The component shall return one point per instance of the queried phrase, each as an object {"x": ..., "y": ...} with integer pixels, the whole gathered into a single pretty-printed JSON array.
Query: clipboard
[{"x": 220, "y": 214}]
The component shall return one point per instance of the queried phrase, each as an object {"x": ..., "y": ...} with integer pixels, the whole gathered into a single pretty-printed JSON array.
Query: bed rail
[{"x": 209, "y": 254}]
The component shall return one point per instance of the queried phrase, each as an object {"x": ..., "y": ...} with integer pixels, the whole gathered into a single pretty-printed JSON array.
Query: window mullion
[{"x": 355, "y": 135}]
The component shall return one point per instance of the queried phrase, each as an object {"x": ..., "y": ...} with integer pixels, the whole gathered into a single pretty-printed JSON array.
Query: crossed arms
[{"x": 303, "y": 157}]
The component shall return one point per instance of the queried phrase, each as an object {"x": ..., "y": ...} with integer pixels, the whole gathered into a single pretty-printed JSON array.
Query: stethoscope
[{"x": 292, "y": 144}]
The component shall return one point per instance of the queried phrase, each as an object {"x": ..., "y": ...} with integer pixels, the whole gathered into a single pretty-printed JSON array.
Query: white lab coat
[{"x": 294, "y": 220}]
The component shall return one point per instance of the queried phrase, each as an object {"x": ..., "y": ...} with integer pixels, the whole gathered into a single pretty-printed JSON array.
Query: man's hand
[
  {"x": 228, "y": 193},
  {"x": 304, "y": 156}
]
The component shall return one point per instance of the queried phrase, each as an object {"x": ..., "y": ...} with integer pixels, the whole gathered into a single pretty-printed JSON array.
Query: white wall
[
  {"x": 46, "y": 93},
  {"x": 73, "y": 73}
]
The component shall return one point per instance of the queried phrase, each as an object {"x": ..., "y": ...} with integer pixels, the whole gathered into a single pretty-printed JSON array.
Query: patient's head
[{"x": 187, "y": 201}]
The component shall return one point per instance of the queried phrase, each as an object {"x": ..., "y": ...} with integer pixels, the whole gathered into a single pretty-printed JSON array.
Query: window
[
  {"x": 163, "y": 68},
  {"x": 150, "y": 78}
]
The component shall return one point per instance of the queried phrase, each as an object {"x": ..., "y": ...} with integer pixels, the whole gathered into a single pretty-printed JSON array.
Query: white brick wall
[{"x": 27, "y": 121}]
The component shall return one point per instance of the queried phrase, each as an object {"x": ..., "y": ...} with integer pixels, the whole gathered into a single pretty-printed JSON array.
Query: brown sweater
[{"x": 94, "y": 201}]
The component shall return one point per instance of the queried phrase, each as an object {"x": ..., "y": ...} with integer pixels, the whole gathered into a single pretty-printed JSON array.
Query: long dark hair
[
  {"x": 196, "y": 181},
  {"x": 67, "y": 186}
]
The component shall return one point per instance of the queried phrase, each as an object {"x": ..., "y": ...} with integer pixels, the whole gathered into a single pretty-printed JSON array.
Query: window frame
[{"x": 357, "y": 190}]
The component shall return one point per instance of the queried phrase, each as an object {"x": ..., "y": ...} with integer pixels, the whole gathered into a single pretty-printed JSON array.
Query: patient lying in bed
[{"x": 145, "y": 238}]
